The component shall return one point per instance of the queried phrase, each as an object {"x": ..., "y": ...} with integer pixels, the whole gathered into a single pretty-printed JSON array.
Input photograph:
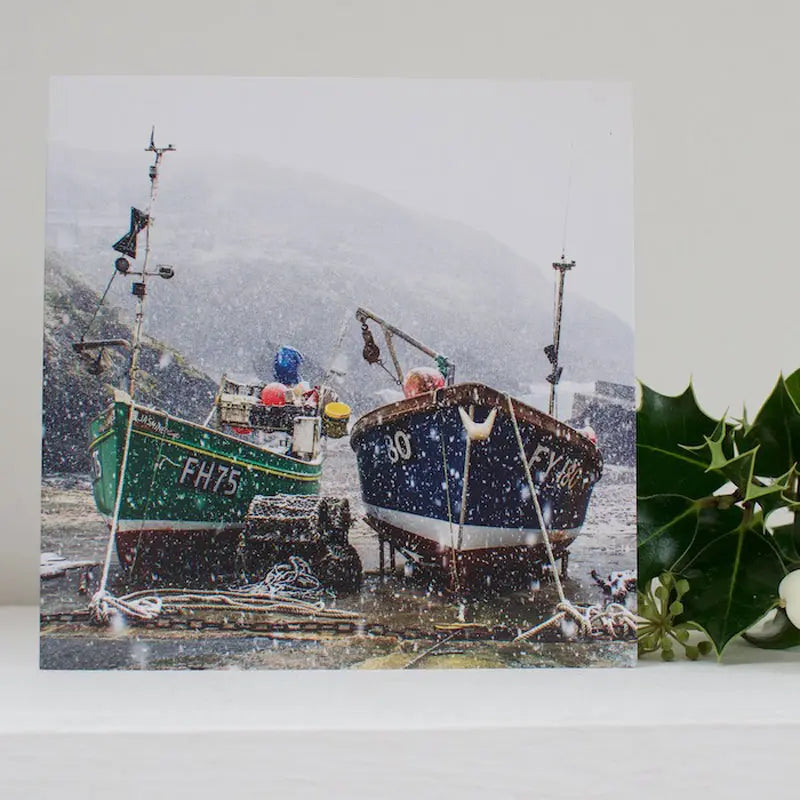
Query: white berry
[{"x": 789, "y": 592}]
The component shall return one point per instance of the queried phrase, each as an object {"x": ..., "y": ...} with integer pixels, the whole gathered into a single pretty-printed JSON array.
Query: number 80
[{"x": 399, "y": 447}]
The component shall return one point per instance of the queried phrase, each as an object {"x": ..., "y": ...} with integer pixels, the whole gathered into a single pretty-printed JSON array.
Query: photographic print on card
[{"x": 338, "y": 373}]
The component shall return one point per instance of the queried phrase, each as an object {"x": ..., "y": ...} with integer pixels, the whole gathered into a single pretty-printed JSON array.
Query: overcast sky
[{"x": 503, "y": 157}]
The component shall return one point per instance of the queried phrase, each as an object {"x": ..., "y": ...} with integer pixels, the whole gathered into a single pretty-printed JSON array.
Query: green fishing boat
[
  {"x": 186, "y": 488},
  {"x": 176, "y": 493}
]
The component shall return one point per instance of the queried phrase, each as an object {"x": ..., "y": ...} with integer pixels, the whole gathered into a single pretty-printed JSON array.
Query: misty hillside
[
  {"x": 267, "y": 256},
  {"x": 72, "y": 396}
]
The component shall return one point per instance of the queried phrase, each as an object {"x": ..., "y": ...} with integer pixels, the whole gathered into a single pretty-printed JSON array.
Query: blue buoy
[{"x": 286, "y": 367}]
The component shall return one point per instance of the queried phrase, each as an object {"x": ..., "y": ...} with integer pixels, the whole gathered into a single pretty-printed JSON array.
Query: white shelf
[{"x": 589, "y": 731}]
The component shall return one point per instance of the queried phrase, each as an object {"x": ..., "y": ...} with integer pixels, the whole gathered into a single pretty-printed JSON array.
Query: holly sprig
[{"x": 710, "y": 557}]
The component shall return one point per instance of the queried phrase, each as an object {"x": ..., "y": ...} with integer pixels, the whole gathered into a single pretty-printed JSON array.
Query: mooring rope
[
  {"x": 535, "y": 498},
  {"x": 614, "y": 619},
  {"x": 465, "y": 485},
  {"x": 99, "y": 604},
  {"x": 99, "y": 304},
  {"x": 453, "y": 555},
  {"x": 288, "y": 588}
]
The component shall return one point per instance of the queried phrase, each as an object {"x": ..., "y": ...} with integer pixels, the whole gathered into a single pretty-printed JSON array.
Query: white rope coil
[
  {"x": 289, "y": 588},
  {"x": 292, "y": 580}
]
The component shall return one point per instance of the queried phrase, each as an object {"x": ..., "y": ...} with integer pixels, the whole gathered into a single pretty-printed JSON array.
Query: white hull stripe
[
  {"x": 474, "y": 537},
  {"x": 178, "y": 526}
]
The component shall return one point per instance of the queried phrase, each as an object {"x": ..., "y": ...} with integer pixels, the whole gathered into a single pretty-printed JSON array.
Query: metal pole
[
  {"x": 141, "y": 290},
  {"x": 398, "y": 369},
  {"x": 562, "y": 267}
]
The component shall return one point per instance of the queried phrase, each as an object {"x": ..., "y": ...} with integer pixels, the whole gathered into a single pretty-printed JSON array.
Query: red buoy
[{"x": 274, "y": 394}]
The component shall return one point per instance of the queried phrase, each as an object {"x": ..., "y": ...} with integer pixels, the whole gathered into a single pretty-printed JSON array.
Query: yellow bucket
[{"x": 334, "y": 419}]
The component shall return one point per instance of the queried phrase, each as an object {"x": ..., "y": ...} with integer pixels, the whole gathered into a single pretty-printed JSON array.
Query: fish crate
[
  {"x": 275, "y": 418},
  {"x": 229, "y": 387},
  {"x": 247, "y": 411},
  {"x": 236, "y": 409}
]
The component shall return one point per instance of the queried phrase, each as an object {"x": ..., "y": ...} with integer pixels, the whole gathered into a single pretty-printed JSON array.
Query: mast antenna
[
  {"x": 566, "y": 204},
  {"x": 562, "y": 267},
  {"x": 139, "y": 288}
]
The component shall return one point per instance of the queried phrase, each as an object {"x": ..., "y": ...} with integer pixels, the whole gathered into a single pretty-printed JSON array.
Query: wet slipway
[{"x": 72, "y": 528}]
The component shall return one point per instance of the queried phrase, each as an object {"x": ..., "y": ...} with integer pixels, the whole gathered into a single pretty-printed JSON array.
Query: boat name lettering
[
  {"x": 569, "y": 473},
  {"x": 154, "y": 424},
  {"x": 210, "y": 476},
  {"x": 398, "y": 447}
]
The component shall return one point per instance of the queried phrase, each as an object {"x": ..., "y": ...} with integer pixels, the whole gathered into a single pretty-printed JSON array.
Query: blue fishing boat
[{"x": 465, "y": 479}]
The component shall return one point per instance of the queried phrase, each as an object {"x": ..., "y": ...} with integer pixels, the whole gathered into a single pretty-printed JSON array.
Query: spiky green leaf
[
  {"x": 793, "y": 386},
  {"x": 739, "y": 469},
  {"x": 776, "y": 430},
  {"x": 671, "y": 527},
  {"x": 734, "y": 580},
  {"x": 665, "y": 425},
  {"x": 787, "y": 540}
]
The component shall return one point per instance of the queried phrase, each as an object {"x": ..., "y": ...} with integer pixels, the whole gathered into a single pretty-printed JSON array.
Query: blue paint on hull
[{"x": 413, "y": 462}]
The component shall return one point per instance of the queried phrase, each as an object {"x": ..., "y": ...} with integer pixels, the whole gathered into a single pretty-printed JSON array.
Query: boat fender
[
  {"x": 589, "y": 433},
  {"x": 477, "y": 431}
]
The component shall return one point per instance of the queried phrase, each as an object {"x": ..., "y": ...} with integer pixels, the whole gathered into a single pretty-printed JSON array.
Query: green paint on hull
[{"x": 180, "y": 472}]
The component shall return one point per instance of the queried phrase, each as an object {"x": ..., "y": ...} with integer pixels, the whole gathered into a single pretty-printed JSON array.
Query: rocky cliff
[{"x": 72, "y": 395}]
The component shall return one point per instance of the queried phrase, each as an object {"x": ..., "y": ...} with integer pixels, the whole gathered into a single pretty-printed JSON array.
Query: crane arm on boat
[{"x": 372, "y": 353}]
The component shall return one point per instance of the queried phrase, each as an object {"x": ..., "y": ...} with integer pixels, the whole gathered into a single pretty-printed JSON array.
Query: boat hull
[
  {"x": 412, "y": 459},
  {"x": 186, "y": 488}
]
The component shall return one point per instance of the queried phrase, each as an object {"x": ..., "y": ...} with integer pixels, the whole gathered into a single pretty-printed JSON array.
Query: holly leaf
[
  {"x": 776, "y": 430},
  {"x": 718, "y": 541},
  {"x": 740, "y": 469},
  {"x": 734, "y": 581},
  {"x": 665, "y": 425},
  {"x": 787, "y": 538},
  {"x": 772, "y": 501},
  {"x": 793, "y": 386},
  {"x": 671, "y": 526}
]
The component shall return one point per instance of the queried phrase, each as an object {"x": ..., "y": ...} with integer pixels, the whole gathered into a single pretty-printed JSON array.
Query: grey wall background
[{"x": 716, "y": 127}]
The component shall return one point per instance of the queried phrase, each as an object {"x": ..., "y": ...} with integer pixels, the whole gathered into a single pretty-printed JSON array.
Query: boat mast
[
  {"x": 551, "y": 351},
  {"x": 139, "y": 288}
]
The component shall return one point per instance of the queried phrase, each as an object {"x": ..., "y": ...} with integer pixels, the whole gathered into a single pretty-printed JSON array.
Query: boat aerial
[
  {"x": 176, "y": 493},
  {"x": 447, "y": 473}
]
